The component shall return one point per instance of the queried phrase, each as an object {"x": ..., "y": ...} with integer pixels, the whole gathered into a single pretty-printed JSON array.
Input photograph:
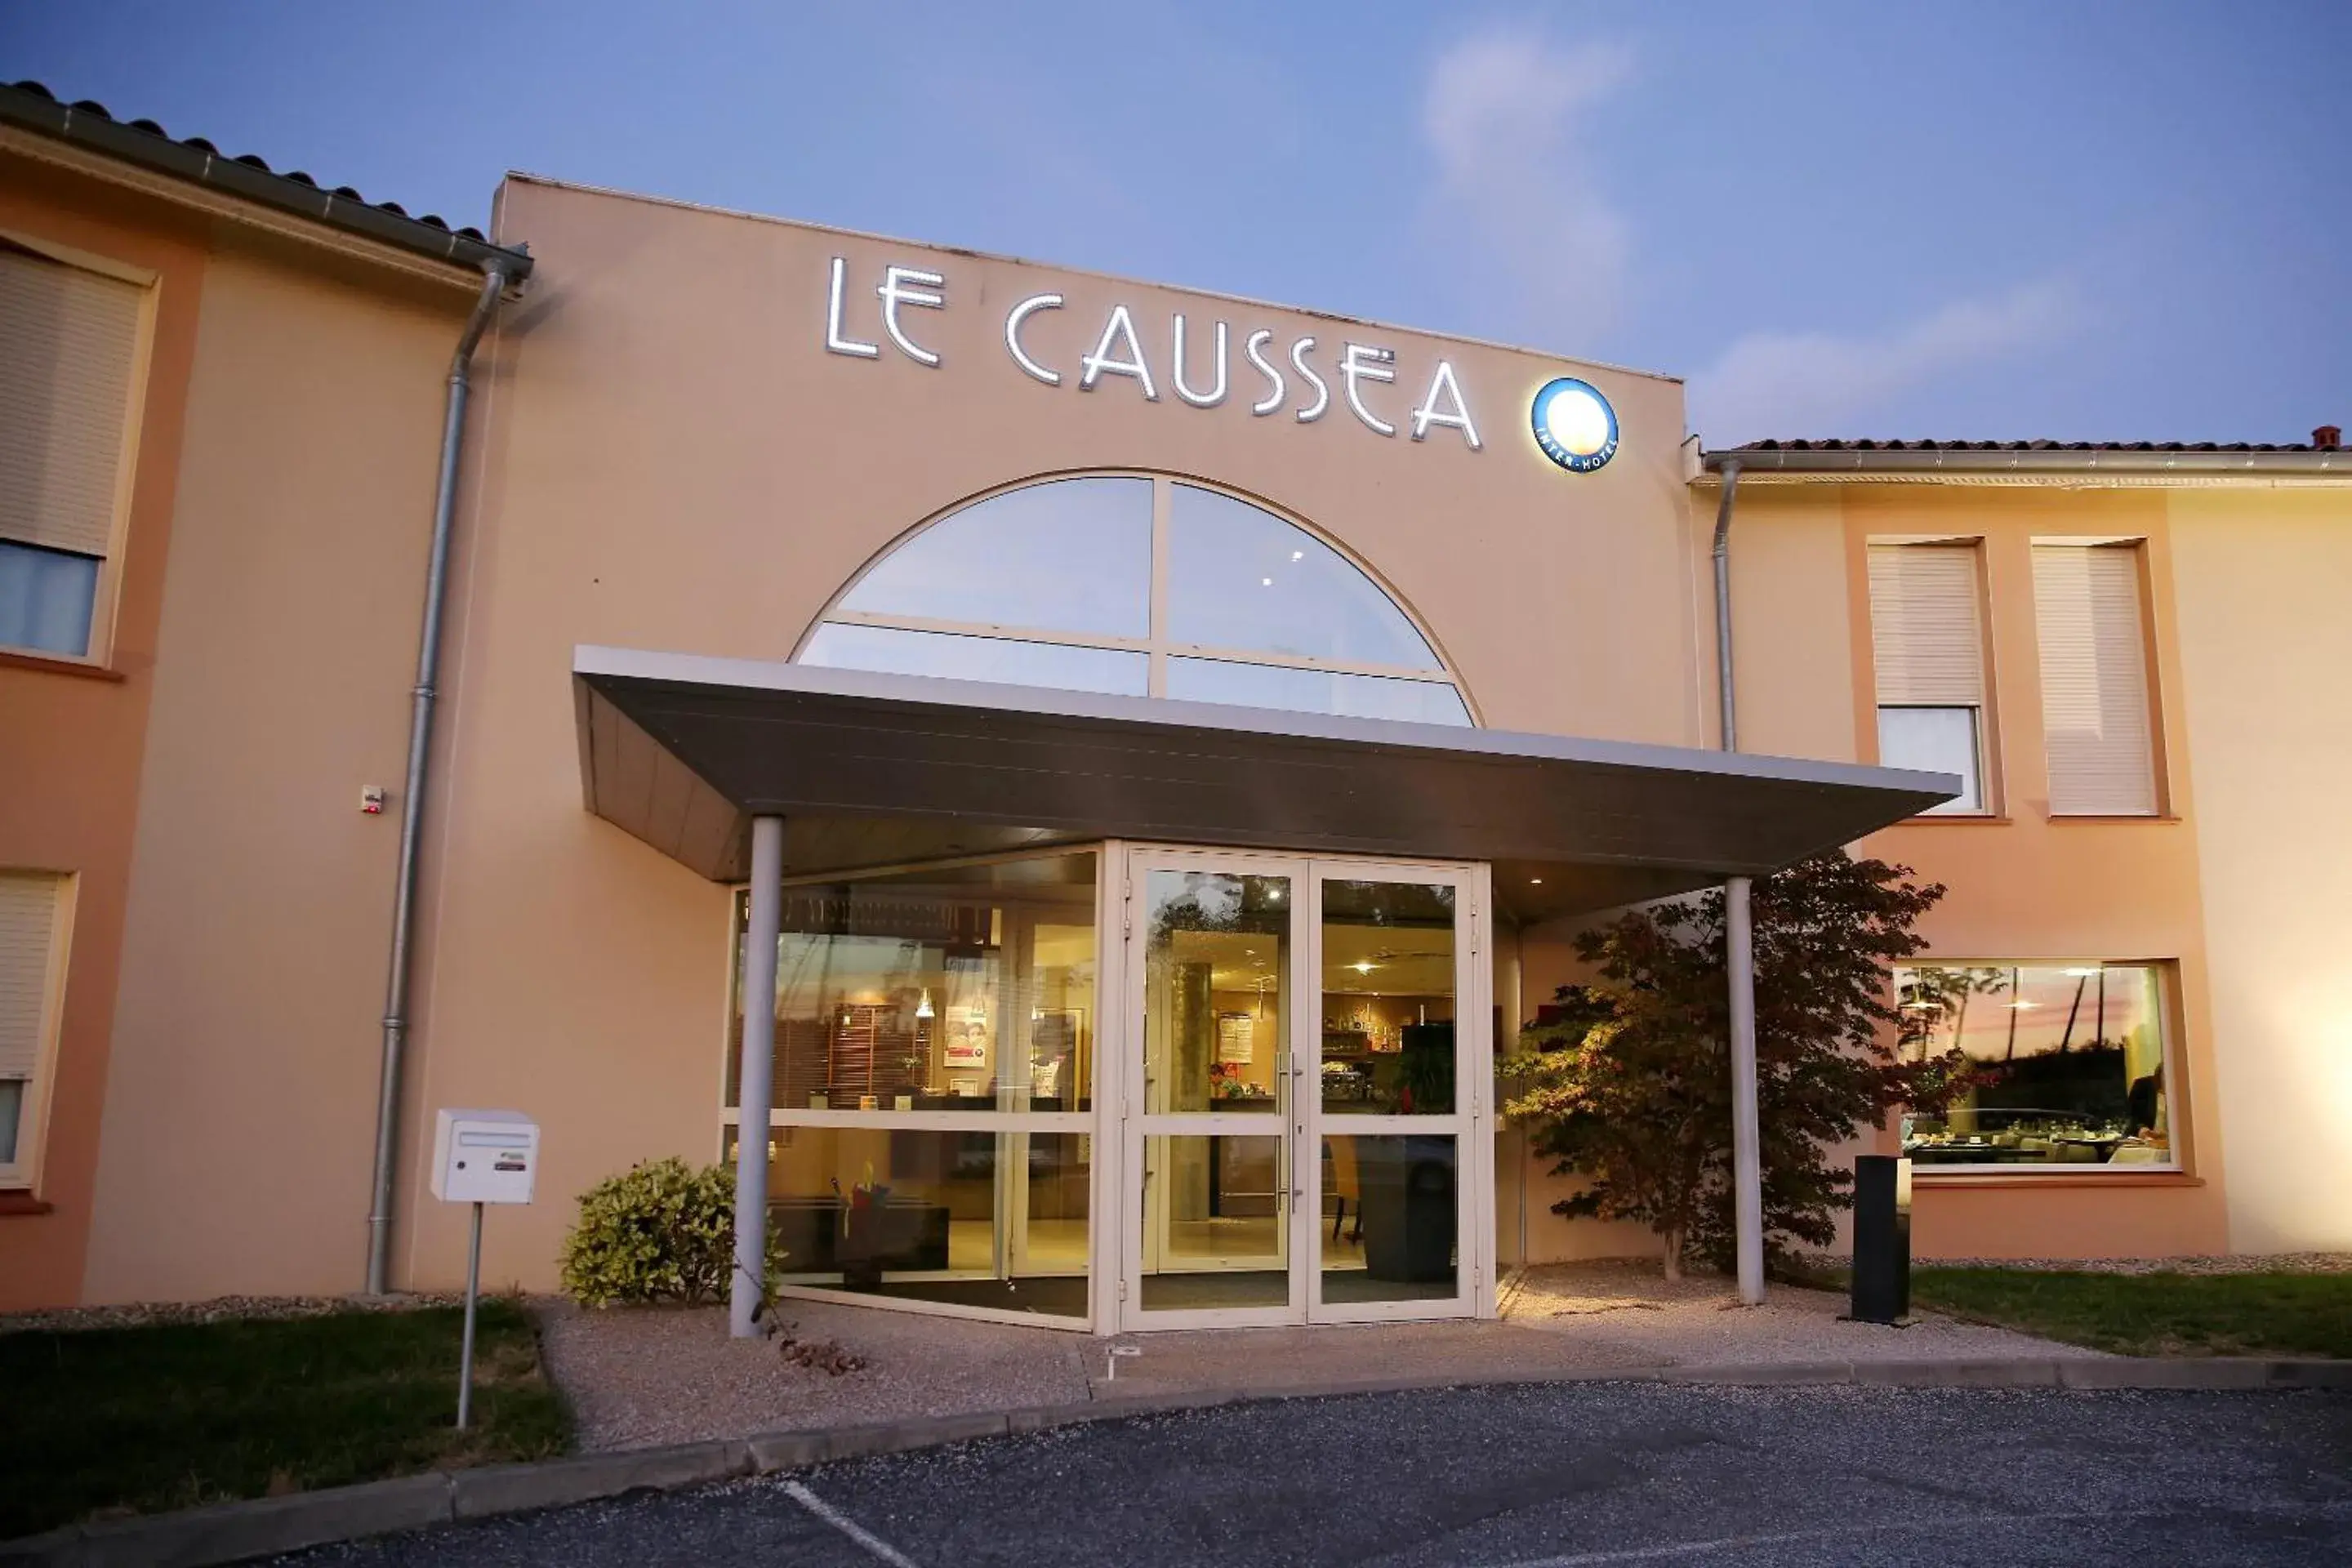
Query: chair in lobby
[{"x": 1345, "y": 1188}]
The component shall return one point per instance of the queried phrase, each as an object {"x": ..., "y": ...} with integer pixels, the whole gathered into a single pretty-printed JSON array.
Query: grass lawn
[
  {"x": 110, "y": 1421},
  {"x": 2153, "y": 1314}
]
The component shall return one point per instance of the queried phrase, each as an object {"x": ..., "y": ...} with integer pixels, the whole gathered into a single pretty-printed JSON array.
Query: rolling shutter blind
[
  {"x": 28, "y": 922},
  {"x": 2094, "y": 679},
  {"x": 68, "y": 339},
  {"x": 1926, "y": 635}
]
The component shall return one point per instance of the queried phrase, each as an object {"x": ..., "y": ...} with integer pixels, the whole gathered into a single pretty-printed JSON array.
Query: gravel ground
[
  {"x": 650, "y": 1375},
  {"x": 1627, "y": 1309},
  {"x": 1542, "y": 1476},
  {"x": 642, "y": 1376}
]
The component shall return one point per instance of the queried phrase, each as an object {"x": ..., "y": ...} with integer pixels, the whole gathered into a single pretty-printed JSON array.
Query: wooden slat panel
[
  {"x": 2094, "y": 712},
  {"x": 68, "y": 340},
  {"x": 28, "y": 922},
  {"x": 1927, "y": 636}
]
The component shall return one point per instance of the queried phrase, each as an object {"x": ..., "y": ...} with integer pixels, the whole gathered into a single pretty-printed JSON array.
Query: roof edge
[
  {"x": 2146, "y": 460},
  {"x": 90, "y": 127}
]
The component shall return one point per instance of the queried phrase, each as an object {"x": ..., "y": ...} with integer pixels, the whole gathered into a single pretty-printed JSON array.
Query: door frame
[
  {"x": 1473, "y": 1075},
  {"x": 1119, "y": 1197}
]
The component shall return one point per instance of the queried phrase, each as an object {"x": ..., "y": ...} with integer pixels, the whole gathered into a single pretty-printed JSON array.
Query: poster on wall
[
  {"x": 967, "y": 1045},
  {"x": 1237, "y": 1037}
]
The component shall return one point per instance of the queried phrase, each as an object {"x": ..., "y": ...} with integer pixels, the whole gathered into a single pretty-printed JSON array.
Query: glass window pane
[
  {"x": 891, "y": 652},
  {"x": 1240, "y": 578},
  {"x": 2069, "y": 1062},
  {"x": 1388, "y": 998},
  {"x": 1391, "y": 1211},
  {"x": 964, "y": 989},
  {"x": 1315, "y": 692},
  {"x": 1214, "y": 959},
  {"x": 11, "y": 1111},
  {"x": 1070, "y": 555},
  {"x": 1936, "y": 741},
  {"x": 982, "y": 1219},
  {"x": 1215, "y": 1220},
  {"x": 47, "y": 597}
]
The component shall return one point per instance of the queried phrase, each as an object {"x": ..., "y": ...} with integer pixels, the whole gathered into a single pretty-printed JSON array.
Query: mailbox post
[{"x": 480, "y": 1157}]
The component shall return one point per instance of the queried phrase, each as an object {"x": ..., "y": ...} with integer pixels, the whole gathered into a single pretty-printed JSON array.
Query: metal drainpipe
[
  {"x": 412, "y": 799},
  {"x": 1738, "y": 941}
]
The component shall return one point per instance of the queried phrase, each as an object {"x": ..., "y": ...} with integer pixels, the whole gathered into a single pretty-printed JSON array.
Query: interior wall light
[{"x": 923, "y": 1007}]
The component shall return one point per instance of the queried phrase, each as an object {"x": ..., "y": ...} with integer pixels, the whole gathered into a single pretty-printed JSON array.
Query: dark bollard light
[{"x": 1882, "y": 1238}]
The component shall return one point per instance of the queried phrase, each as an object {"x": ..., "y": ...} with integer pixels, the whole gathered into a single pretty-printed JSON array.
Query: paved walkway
[{"x": 652, "y": 1376}]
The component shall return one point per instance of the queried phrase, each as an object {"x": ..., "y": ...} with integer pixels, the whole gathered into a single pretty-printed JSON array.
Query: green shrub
[{"x": 661, "y": 1231}]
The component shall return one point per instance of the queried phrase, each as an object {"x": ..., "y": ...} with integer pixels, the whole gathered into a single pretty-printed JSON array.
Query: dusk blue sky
[{"x": 1999, "y": 219}]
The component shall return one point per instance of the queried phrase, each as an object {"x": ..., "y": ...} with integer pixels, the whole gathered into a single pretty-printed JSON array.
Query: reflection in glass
[
  {"x": 966, "y": 988},
  {"x": 1215, "y": 1223},
  {"x": 2070, "y": 1064},
  {"x": 1936, "y": 741},
  {"x": 1390, "y": 1207},
  {"x": 1315, "y": 692},
  {"x": 1070, "y": 555},
  {"x": 890, "y": 650},
  {"x": 1240, "y": 578},
  {"x": 1388, "y": 998},
  {"x": 981, "y": 1219},
  {"x": 1215, "y": 956}
]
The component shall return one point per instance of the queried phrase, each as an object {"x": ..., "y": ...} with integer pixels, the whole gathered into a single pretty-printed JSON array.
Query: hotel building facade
[{"x": 1170, "y": 739}]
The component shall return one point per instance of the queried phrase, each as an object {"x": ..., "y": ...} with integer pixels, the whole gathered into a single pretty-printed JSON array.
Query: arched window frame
[{"x": 1158, "y": 646}]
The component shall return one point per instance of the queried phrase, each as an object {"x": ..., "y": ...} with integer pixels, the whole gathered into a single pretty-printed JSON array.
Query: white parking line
[{"x": 849, "y": 1527}]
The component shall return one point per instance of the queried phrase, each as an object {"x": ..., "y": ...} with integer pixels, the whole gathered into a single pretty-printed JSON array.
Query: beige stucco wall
[
  {"x": 672, "y": 461},
  {"x": 240, "y": 1100},
  {"x": 2261, "y": 579}
]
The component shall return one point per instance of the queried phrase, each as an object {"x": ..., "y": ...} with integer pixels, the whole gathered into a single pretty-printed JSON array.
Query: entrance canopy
[{"x": 872, "y": 770}]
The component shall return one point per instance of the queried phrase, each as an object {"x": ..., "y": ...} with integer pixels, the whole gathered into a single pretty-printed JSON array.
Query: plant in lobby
[
  {"x": 1627, "y": 1081},
  {"x": 660, "y": 1231}
]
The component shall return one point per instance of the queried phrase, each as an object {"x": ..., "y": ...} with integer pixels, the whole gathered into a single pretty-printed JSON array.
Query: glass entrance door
[
  {"x": 1392, "y": 1092},
  {"x": 1302, "y": 1057},
  {"x": 1211, "y": 1089}
]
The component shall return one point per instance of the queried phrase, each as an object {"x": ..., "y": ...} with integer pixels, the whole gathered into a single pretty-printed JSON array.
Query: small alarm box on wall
[{"x": 484, "y": 1156}]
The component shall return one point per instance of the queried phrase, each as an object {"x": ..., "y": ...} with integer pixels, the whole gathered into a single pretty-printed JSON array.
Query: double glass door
[{"x": 1305, "y": 1048}]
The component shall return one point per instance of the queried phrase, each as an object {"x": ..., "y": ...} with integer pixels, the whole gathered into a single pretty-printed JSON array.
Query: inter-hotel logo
[{"x": 1289, "y": 377}]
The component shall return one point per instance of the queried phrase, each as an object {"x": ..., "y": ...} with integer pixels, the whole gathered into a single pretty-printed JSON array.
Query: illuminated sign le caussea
[{"x": 1120, "y": 351}]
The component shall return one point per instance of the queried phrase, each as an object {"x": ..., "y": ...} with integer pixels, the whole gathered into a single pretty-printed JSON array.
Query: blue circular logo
[{"x": 1574, "y": 424}]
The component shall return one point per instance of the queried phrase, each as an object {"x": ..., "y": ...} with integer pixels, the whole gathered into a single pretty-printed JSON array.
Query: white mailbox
[{"x": 484, "y": 1156}]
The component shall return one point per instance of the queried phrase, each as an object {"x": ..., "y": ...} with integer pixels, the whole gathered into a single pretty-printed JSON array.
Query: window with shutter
[
  {"x": 2095, "y": 689},
  {"x": 1927, "y": 632},
  {"x": 69, "y": 339},
  {"x": 29, "y": 904}
]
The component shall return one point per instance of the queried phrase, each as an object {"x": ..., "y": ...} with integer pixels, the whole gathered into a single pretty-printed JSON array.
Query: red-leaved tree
[{"x": 1628, "y": 1082}]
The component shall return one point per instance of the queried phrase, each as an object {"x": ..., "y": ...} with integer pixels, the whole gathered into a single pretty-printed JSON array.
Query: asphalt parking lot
[{"x": 1559, "y": 1475}]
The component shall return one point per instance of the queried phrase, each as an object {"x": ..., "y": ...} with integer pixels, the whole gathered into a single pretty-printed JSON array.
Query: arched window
[{"x": 1139, "y": 587}]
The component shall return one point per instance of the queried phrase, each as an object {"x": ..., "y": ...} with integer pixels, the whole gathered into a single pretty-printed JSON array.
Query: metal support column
[
  {"x": 1740, "y": 947},
  {"x": 756, "y": 1077},
  {"x": 1747, "y": 1165}
]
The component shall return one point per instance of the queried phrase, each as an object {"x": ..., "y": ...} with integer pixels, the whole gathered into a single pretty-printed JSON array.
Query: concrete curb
[{"x": 233, "y": 1532}]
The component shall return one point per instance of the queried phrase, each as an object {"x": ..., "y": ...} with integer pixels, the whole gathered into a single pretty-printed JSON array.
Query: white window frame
[
  {"x": 1082, "y": 1122},
  {"x": 24, "y": 1173},
  {"x": 1158, "y": 646},
  {"x": 1989, "y": 796},
  {"x": 107, "y": 595}
]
